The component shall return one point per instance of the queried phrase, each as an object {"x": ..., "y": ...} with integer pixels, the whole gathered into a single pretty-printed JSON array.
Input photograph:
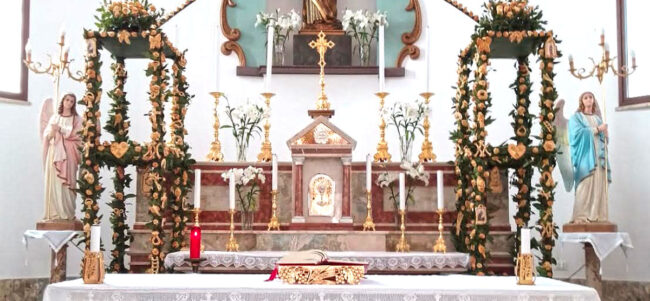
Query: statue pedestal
[
  {"x": 340, "y": 55},
  {"x": 590, "y": 227},
  {"x": 60, "y": 225}
]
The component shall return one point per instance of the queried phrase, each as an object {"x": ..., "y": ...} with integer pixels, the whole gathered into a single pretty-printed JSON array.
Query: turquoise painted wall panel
[
  {"x": 252, "y": 40},
  {"x": 399, "y": 22}
]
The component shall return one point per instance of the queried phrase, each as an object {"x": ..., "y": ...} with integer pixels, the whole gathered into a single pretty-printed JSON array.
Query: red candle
[{"x": 195, "y": 242}]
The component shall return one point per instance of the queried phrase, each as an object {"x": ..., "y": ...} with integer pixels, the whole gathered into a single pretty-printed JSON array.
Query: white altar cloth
[
  {"x": 240, "y": 287},
  {"x": 377, "y": 261},
  {"x": 604, "y": 243}
]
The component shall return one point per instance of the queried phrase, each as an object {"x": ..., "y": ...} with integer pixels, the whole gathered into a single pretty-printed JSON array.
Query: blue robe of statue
[
  {"x": 588, "y": 160},
  {"x": 583, "y": 152}
]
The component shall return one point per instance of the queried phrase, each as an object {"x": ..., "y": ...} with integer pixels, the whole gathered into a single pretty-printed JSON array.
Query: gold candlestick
[
  {"x": 232, "y": 245},
  {"x": 92, "y": 267},
  {"x": 215, "y": 147},
  {"x": 440, "y": 242},
  {"x": 402, "y": 245},
  {"x": 274, "y": 223},
  {"x": 382, "y": 154},
  {"x": 196, "y": 212},
  {"x": 524, "y": 269},
  {"x": 56, "y": 68},
  {"x": 427, "y": 149},
  {"x": 369, "y": 224},
  {"x": 266, "y": 154}
]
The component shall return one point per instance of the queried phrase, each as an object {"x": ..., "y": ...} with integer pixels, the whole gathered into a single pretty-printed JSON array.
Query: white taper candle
[
  {"x": 428, "y": 60},
  {"x": 95, "y": 236},
  {"x": 441, "y": 191},
  {"x": 197, "y": 188},
  {"x": 525, "y": 241},
  {"x": 380, "y": 58},
  {"x": 368, "y": 173},
  {"x": 274, "y": 173},
  {"x": 231, "y": 184},
  {"x": 269, "y": 58},
  {"x": 402, "y": 191}
]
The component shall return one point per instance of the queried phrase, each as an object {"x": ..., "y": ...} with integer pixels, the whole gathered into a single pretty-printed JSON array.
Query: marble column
[
  {"x": 297, "y": 189},
  {"x": 345, "y": 206}
]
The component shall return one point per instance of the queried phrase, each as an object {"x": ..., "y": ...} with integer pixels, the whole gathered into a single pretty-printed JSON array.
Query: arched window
[
  {"x": 14, "y": 19},
  {"x": 632, "y": 23}
]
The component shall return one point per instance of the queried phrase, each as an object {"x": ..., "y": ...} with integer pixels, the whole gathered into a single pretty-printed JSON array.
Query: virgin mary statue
[
  {"x": 61, "y": 140},
  {"x": 588, "y": 140}
]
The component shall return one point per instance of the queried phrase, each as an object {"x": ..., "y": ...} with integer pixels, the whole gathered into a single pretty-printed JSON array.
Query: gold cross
[{"x": 321, "y": 45}]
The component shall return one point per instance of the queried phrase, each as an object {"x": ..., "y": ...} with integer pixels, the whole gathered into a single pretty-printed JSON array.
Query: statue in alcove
[{"x": 320, "y": 15}]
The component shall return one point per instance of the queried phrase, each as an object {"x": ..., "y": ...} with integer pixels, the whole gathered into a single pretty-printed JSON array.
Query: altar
[
  {"x": 173, "y": 287},
  {"x": 378, "y": 262}
]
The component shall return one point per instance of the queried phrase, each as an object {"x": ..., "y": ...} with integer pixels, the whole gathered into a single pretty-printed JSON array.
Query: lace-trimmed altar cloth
[
  {"x": 378, "y": 261},
  {"x": 241, "y": 287},
  {"x": 604, "y": 243}
]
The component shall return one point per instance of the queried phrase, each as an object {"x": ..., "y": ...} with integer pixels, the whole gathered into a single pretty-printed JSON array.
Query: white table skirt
[
  {"x": 378, "y": 261},
  {"x": 239, "y": 287},
  {"x": 604, "y": 243}
]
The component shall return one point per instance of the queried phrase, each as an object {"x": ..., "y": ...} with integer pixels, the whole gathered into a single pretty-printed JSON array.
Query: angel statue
[
  {"x": 61, "y": 157},
  {"x": 587, "y": 140}
]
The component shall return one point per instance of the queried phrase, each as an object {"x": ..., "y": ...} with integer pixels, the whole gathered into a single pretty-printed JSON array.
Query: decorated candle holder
[
  {"x": 427, "y": 154},
  {"x": 382, "y": 154},
  {"x": 92, "y": 267},
  {"x": 266, "y": 153},
  {"x": 274, "y": 224},
  {"x": 524, "y": 269}
]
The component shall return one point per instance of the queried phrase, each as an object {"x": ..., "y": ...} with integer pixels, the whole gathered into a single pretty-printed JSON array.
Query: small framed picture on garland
[{"x": 481, "y": 215}]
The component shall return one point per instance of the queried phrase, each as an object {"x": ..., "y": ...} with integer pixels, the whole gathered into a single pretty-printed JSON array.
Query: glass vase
[
  {"x": 364, "y": 54},
  {"x": 406, "y": 150},
  {"x": 241, "y": 152},
  {"x": 278, "y": 53},
  {"x": 247, "y": 218}
]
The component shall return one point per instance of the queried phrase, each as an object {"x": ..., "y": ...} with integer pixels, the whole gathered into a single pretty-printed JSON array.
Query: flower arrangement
[
  {"x": 362, "y": 26},
  {"x": 406, "y": 117},
  {"x": 283, "y": 26},
  {"x": 510, "y": 16},
  {"x": 248, "y": 199},
  {"x": 415, "y": 172},
  {"x": 134, "y": 15},
  {"x": 245, "y": 123}
]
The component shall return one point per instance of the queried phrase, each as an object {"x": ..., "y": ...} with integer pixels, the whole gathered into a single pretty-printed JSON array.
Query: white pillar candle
[
  {"x": 428, "y": 60},
  {"x": 441, "y": 194},
  {"x": 368, "y": 173},
  {"x": 28, "y": 51},
  {"x": 525, "y": 241},
  {"x": 380, "y": 58},
  {"x": 269, "y": 58},
  {"x": 197, "y": 188},
  {"x": 232, "y": 190},
  {"x": 402, "y": 191},
  {"x": 274, "y": 173},
  {"x": 95, "y": 235}
]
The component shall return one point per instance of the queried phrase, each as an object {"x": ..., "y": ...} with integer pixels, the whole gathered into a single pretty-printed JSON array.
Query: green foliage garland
[{"x": 133, "y": 15}]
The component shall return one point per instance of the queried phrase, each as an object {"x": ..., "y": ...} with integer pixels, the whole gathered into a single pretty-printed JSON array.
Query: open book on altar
[
  {"x": 313, "y": 267},
  {"x": 314, "y": 257}
]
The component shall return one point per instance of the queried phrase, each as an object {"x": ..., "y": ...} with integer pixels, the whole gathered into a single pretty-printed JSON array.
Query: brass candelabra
[
  {"x": 599, "y": 70},
  {"x": 427, "y": 154},
  {"x": 215, "y": 147},
  {"x": 439, "y": 246},
  {"x": 266, "y": 154},
  {"x": 382, "y": 154},
  {"x": 369, "y": 224},
  {"x": 57, "y": 67},
  {"x": 274, "y": 224},
  {"x": 232, "y": 245},
  {"x": 402, "y": 245}
]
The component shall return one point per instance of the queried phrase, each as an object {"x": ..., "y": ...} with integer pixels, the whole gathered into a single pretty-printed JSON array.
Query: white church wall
[{"x": 352, "y": 98}]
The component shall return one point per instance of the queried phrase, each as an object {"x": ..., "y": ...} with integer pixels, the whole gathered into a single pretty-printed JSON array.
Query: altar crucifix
[{"x": 322, "y": 45}]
